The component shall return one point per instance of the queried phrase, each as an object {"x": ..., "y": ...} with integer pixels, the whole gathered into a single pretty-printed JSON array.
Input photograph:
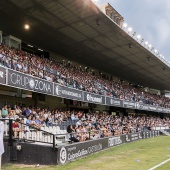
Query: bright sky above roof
[{"x": 149, "y": 18}]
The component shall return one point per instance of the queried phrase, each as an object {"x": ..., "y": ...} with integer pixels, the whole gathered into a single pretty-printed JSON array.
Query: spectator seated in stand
[
  {"x": 90, "y": 125},
  {"x": 76, "y": 77}
]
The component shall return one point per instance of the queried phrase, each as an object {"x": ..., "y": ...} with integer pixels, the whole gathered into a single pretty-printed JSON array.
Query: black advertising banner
[
  {"x": 141, "y": 106},
  {"x": 20, "y": 80},
  {"x": 94, "y": 98},
  {"x": 68, "y": 93},
  {"x": 159, "y": 109},
  {"x": 164, "y": 110},
  {"x": 2, "y": 75},
  {"x": 128, "y": 104},
  {"x": 24, "y": 81},
  {"x": 115, "y": 140},
  {"x": 77, "y": 150},
  {"x": 152, "y": 108},
  {"x": 114, "y": 102},
  {"x": 149, "y": 134}
]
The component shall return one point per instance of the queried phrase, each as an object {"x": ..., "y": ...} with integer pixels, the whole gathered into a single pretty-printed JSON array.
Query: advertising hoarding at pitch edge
[{"x": 74, "y": 151}]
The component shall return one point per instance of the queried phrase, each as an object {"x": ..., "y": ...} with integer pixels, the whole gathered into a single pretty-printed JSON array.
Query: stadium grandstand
[{"x": 72, "y": 78}]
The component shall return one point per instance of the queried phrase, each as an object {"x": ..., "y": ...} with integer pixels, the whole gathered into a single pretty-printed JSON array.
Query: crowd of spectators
[
  {"x": 76, "y": 77},
  {"x": 86, "y": 125}
]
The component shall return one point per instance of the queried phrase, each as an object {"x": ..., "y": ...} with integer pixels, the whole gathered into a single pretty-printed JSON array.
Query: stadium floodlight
[
  {"x": 146, "y": 43},
  {"x": 161, "y": 56},
  {"x": 130, "y": 29},
  {"x": 156, "y": 51},
  {"x": 149, "y": 45},
  {"x": 124, "y": 25},
  {"x": 138, "y": 37},
  {"x": 26, "y": 26}
]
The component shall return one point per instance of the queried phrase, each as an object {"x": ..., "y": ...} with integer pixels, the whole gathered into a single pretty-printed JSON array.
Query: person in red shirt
[{"x": 16, "y": 128}]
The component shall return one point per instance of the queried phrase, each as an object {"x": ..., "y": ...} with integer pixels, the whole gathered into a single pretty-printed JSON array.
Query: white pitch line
[{"x": 159, "y": 164}]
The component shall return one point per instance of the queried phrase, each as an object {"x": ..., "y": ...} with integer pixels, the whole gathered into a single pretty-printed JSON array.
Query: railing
[
  {"x": 50, "y": 135},
  {"x": 27, "y": 133},
  {"x": 160, "y": 127}
]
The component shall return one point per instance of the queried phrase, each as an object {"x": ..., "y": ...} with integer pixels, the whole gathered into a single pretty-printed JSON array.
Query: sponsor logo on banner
[
  {"x": 141, "y": 106},
  {"x": 127, "y": 138},
  {"x": 78, "y": 150},
  {"x": 2, "y": 75},
  {"x": 63, "y": 155},
  {"x": 134, "y": 136},
  {"x": 27, "y": 82},
  {"x": 93, "y": 98},
  {"x": 152, "y": 108},
  {"x": 57, "y": 90},
  {"x": 66, "y": 92},
  {"x": 113, "y": 102},
  {"x": 114, "y": 141},
  {"x": 82, "y": 152},
  {"x": 129, "y": 104}
]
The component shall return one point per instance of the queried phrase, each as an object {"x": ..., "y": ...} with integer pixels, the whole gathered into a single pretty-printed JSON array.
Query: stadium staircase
[{"x": 165, "y": 132}]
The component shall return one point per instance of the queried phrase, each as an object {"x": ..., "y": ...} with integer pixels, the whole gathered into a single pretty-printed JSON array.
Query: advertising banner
[
  {"x": 77, "y": 150},
  {"x": 141, "y": 106},
  {"x": 128, "y": 104},
  {"x": 2, "y": 75},
  {"x": 68, "y": 93},
  {"x": 115, "y": 140},
  {"x": 28, "y": 82},
  {"x": 20, "y": 80},
  {"x": 94, "y": 98},
  {"x": 114, "y": 102}
]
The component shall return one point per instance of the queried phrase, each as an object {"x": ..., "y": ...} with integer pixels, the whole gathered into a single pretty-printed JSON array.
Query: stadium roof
[{"x": 70, "y": 28}]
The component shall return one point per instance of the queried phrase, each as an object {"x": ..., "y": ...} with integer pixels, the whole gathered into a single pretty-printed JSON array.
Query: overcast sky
[{"x": 149, "y": 18}]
